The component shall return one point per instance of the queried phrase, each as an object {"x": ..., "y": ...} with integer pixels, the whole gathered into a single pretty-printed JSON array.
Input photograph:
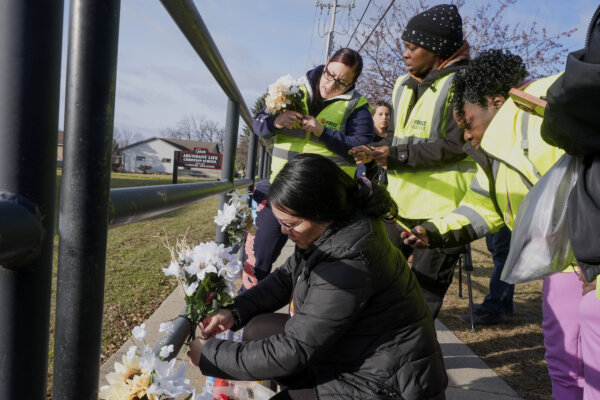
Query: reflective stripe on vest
[
  {"x": 291, "y": 142},
  {"x": 479, "y": 225}
]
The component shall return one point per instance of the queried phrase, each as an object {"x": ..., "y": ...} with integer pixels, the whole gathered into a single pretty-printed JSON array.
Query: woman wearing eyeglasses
[
  {"x": 358, "y": 326},
  {"x": 338, "y": 119}
]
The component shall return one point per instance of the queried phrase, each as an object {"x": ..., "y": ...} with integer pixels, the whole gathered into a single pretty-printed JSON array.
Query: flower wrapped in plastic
[
  {"x": 207, "y": 275},
  {"x": 285, "y": 94},
  {"x": 144, "y": 375},
  {"x": 236, "y": 218}
]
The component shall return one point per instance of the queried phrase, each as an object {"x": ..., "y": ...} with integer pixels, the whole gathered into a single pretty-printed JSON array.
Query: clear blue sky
[{"x": 160, "y": 78}]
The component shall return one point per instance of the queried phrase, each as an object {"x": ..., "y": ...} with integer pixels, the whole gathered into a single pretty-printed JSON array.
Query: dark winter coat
[
  {"x": 572, "y": 122},
  {"x": 360, "y": 327}
]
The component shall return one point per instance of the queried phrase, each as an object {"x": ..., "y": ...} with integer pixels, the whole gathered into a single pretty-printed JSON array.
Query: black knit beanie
[{"x": 438, "y": 29}]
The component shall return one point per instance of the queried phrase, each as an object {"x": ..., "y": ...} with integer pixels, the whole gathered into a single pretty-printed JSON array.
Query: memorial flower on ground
[
  {"x": 143, "y": 375},
  {"x": 285, "y": 94}
]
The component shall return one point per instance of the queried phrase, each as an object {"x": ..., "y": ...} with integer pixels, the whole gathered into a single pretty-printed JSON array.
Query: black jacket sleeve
[
  {"x": 270, "y": 295},
  {"x": 338, "y": 291}
]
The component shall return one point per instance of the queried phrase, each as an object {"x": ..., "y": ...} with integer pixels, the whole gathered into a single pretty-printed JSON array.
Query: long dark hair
[{"x": 313, "y": 187}]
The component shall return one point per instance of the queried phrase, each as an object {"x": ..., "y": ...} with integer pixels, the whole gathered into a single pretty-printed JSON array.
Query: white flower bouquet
[
  {"x": 207, "y": 275},
  {"x": 285, "y": 94},
  {"x": 143, "y": 375},
  {"x": 236, "y": 218}
]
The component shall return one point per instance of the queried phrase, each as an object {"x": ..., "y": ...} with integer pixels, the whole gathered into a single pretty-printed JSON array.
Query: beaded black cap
[{"x": 438, "y": 29}]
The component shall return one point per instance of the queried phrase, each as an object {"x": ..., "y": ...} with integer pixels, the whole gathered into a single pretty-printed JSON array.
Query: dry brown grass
[{"x": 514, "y": 349}]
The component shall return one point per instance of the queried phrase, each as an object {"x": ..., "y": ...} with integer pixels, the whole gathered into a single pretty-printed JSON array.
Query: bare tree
[
  {"x": 196, "y": 127},
  {"x": 124, "y": 137},
  {"x": 241, "y": 157},
  {"x": 485, "y": 26}
]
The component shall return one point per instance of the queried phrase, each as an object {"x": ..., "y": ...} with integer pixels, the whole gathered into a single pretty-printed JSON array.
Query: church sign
[{"x": 200, "y": 157}]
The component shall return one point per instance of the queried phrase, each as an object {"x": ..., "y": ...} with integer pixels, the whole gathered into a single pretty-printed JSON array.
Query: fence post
[
  {"x": 251, "y": 164},
  {"x": 83, "y": 222},
  {"x": 30, "y": 44},
  {"x": 229, "y": 147},
  {"x": 175, "y": 166},
  {"x": 261, "y": 162}
]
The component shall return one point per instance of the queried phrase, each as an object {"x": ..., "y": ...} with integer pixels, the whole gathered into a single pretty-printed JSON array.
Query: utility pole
[{"x": 331, "y": 29}]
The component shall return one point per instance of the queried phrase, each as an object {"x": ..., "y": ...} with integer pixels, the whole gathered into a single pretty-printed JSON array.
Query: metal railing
[{"x": 30, "y": 78}]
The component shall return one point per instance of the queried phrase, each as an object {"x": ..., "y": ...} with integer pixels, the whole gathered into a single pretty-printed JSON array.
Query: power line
[
  {"x": 376, "y": 25},
  {"x": 312, "y": 34},
  {"x": 335, "y": 6},
  {"x": 359, "y": 21}
]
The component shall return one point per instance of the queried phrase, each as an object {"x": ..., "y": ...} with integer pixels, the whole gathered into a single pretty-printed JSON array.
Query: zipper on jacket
[{"x": 588, "y": 37}]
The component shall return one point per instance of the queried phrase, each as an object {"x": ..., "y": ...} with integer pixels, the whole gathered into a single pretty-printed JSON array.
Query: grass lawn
[{"x": 135, "y": 285}]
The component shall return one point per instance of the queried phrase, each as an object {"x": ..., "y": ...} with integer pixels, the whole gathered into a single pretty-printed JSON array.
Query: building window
[
  {"x": 166, "y": 160},
  {"x": 140, "y": 158}
]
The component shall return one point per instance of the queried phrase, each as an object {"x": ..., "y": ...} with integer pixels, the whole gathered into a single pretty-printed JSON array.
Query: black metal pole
[
  {"x": 175, "y": 166},
  {"x": 251, "y": 164},
  {"x": 30, "y": 44},
  {"x": 89, "y": 117},
  {"x": 261, "y": 162},
  {"x": 268, "y": 165},
  {"x": 227, "y": 173},
  {"x": 469, "y": 268}
]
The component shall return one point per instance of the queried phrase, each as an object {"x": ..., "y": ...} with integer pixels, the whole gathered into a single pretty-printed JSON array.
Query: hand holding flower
[
  {"x": 288, "y": 119},
  {"x": 311, "y": 125},
  {"x": 218, "y": 323}
]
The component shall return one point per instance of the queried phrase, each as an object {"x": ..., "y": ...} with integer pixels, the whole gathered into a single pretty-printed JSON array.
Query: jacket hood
[{"x": 571, "y": 119}]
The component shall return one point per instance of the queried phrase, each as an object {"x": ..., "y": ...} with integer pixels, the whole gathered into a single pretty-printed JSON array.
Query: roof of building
[{"x": 181, "y": 144}]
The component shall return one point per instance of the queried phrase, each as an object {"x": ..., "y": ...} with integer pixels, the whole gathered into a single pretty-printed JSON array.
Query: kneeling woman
[{"x": 358, "y": 326}]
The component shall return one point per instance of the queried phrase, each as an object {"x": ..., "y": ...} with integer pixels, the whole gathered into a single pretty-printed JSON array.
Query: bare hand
[
  {"x": 380, "y": 155},
  {"x": 311, "y": 125},
  {"x": 195, "y": 351},
  {"x": 361, "y": 154},
  {"x": 288, "y": 119},
  {"x": 218, "y": 323},
  {"x": 586, "y": 286},
  {"x": 417, "y": 238}
]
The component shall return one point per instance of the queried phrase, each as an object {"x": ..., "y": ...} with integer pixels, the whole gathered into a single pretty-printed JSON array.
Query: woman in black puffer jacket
[{"x": 358, "y": 326}]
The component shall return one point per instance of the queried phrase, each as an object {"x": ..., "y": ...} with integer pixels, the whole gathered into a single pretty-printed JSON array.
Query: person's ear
[{"x": 498, "y": 101}]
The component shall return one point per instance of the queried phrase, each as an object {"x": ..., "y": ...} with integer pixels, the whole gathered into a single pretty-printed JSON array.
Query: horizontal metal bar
[
  {"x": 134, "y": 204},
  {"x": 21, "y": 230}
]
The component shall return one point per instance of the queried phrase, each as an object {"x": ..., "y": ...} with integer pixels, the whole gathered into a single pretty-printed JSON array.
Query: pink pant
[
  {"x": 589, "y": 314},
  {"x": 571, "y": 329}
]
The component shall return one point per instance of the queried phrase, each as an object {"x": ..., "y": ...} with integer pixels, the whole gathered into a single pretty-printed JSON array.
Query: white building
[{"x": 156, "y": 155}]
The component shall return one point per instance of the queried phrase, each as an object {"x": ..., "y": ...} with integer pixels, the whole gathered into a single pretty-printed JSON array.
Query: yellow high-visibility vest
[
  {"x": 291, "y": 142},
  {"x": 431, "y": 192},
  {"x": 519, "y": 158}
]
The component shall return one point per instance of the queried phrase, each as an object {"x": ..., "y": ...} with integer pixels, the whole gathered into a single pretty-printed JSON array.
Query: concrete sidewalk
[{"x": 469, "y": 377}]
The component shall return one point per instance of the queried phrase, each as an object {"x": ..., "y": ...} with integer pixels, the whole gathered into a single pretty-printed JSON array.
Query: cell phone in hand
[{"x": 527, "y": 102}]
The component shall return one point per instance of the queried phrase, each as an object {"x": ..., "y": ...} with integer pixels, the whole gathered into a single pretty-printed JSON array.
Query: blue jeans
[{"x": 500, "y": 298}]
